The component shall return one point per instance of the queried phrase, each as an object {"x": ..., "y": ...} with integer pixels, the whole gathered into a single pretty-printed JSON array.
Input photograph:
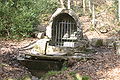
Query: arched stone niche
[{"x": 64, "y": 26}]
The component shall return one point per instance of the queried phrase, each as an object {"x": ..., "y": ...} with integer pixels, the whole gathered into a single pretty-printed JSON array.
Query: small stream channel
[{"x": 40, "y": 66}]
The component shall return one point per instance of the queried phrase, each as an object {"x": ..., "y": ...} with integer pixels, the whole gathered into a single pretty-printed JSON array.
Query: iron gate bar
[
  {"x": 59, "y": 35},
  {"x": 64, "y": 31},
  {"x": 70, "y": 33},
  {"x": 56, "y": 34}
]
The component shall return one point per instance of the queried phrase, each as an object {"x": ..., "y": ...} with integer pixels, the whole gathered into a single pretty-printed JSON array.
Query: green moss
[
  {"x": 92, "y": 28},
  {"x": 76, "y": 76},
  {"x": 10, "y": 79},
  {"x": 85, "y": 78},
  {"x": 73, "y": 75},
  {"x": 99, "y": 42},
  {"x": 26, "y": 78},
  {"x": 49, "y": 74}
]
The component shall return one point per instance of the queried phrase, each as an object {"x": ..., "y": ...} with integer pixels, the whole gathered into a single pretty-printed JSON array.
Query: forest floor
[
  {"x": 9, "y": 66},
  {"x": 104, "y": 65}
]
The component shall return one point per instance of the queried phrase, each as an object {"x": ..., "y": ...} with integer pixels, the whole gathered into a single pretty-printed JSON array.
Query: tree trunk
[
  {"x": 93, "y": 16},
  {"x": 84, "y": 5},
  {"x": 90, "y": 8},
  {"x": 62, "y": 4},
  {"x": 68, "y": 4},
  {"x": 119, "y": 10}
]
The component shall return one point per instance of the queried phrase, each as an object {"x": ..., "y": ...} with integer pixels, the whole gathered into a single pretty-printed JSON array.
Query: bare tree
[
  {"x": 93, "y": 16},
  {"x": 119, "y": 10},
  {"x": 84, "y": 5},
  {"x": 90, "y": 6},
  {"x": 62, "y": 3},
  {"x": 68, "y": 4}
]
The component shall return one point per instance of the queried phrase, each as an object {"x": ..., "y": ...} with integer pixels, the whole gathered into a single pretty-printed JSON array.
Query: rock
[
  {"x": 56, "y": 54},
  {"x": 103, "y": 30},
  {"x": 83, "y": 43},
  {"x": 42, "y": 47},
  {"x": 117, "y": 47},
  {"x": 39, "y": 47},
  {"x": 34, "y": 78},
  {"x": 118, "y": 35},
  {"x": 85, "y": 37},
  {"x": 40, "y": 35},
  {"x": 10, "y": 79},
  {"x": 96, "y": 42},
  {"x": 118, "y": 32},
  {"x": 53, "y": 49},
  {"x": 99, "y": 42},
  {"x": 41, "y": 28},
  {"x": 110, "y": 42}
]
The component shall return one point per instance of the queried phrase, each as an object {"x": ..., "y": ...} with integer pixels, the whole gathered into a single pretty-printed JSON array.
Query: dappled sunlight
[
  {"x": 113, "y": 74},
  {"x": 9, "y": 66},
  {"x": 83, "y": 33},
  {"x": 103, "y": 66},
  {"x": 110, "y": 74}
]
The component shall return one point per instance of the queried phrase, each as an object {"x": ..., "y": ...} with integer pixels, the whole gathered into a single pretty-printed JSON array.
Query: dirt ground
[
  {"x": 9, "y": 66},
  {"x": 104, "y": 65}
]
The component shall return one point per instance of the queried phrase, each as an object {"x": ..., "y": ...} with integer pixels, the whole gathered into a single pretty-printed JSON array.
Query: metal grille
[{"x": 64, "y": 33}]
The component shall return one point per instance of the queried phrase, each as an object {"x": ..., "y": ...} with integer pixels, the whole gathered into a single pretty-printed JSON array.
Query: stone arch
[
  {"x": 64, "y": 26},
  {"x": 59, "y": 11}
]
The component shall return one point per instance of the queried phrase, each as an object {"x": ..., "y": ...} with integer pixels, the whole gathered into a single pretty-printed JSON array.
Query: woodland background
[{"x": 19, "y": 18}]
